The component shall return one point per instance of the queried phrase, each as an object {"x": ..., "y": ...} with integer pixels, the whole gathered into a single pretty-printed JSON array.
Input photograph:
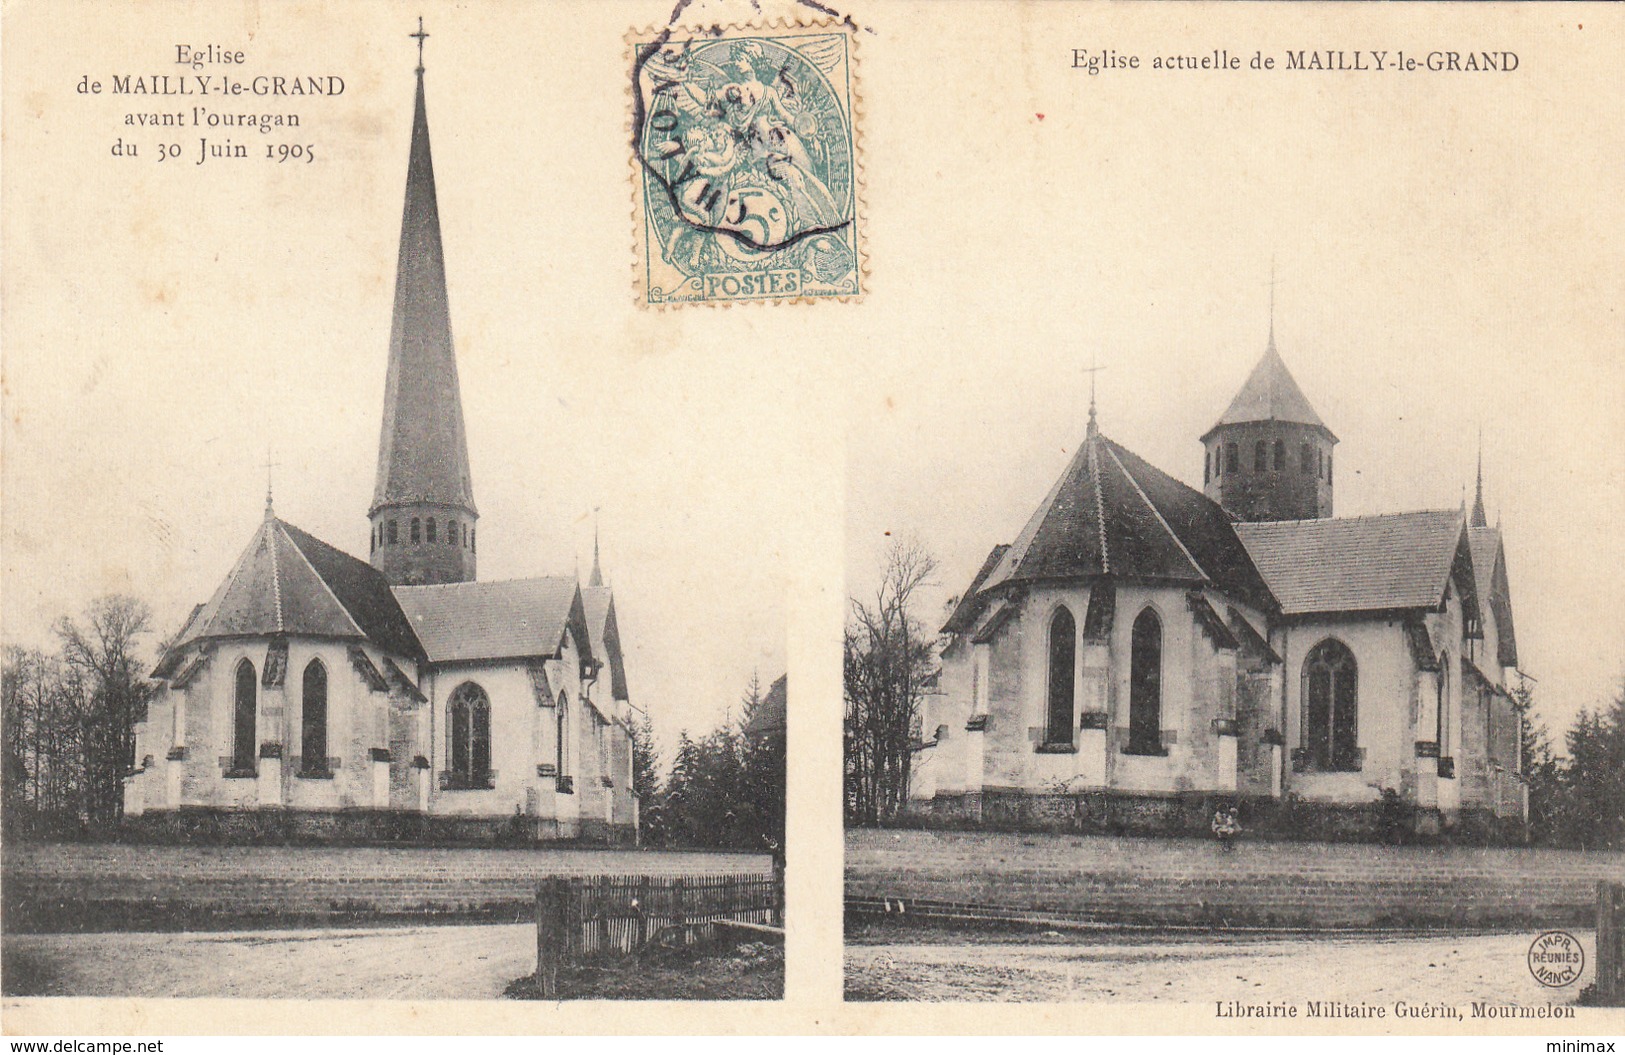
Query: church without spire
[
  {"x": 1144, "y": 652},
  {"x": 316, "y": 696}
]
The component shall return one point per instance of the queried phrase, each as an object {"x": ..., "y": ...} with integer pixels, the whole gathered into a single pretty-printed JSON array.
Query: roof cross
[
  {"x": 1092, "y": 370},
  {"x": 420, "y": 36},
  {"x": 1272, "y": 298},
  {"x": 269, "y": 465}
]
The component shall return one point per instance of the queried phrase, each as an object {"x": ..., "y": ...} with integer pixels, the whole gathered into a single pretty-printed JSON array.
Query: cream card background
[{"x": 162, "y": 328}]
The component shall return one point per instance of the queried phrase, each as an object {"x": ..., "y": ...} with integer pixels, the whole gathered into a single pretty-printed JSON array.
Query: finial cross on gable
[
  {"x": 269, "y": 466},
  {"x": 1272, "y": 298},
  {"x": 1092, "y": 370},
  {"x": 420, "y": 36}
]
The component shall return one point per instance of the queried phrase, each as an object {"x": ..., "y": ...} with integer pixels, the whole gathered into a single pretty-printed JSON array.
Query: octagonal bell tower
[{"x": 1269, "y": 456}]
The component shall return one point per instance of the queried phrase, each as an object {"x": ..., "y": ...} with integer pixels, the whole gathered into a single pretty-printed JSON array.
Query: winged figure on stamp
[{"x": 752, "y": 138}]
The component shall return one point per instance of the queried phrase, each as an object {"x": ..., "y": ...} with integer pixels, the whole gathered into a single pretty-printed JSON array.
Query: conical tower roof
[
  {"x": 1270, "y": 394},
  {"x": 423, "y": 450}
]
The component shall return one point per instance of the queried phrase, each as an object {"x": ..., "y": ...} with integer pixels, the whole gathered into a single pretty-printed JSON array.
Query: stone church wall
[
  {"x": 1014, "y": 705},
  {"x": 1191, "y": 760},
  {"x": 1385, "y": 680},
  {"x": 513, "y": 763},
  {"x": 1199, "y": 687}
]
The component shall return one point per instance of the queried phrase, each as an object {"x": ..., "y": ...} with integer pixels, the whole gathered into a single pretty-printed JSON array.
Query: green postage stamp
[{"x": 747, "y": 175}]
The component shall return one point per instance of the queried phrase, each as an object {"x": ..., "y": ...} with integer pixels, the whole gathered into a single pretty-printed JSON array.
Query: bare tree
[
  {"x": 888, "y": 657},
  {"x": 103, "y": 654},
  {"x": 44, "y": 701}
]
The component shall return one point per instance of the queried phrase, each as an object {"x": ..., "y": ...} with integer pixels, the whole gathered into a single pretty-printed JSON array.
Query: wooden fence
[
  {"x": 1611, "y": 944},
  {"x": 588, "y": 917}
]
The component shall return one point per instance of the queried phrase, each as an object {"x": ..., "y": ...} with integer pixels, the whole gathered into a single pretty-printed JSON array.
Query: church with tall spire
[
  {"x": 1145, "y": 653},
  {"x": 317, "y": 696}
]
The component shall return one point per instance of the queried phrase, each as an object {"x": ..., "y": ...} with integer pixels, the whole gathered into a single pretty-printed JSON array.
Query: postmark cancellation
[{"x": 746, "y": 170}]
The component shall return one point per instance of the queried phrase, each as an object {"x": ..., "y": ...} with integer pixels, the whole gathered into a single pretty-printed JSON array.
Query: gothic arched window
[
  {"x": 1280, "y": 455},
  {"x": 313, "y": 719},
  {"x": 1330, "y": 707},
  {"x": 1320, "y": 462},
  {"x": 474, "y": 540},
  {"x": 1306, "y": 458},
  {"x": 1063, "y": 646},
  {"x": 1207, "y": 466},
  {"x": 1328, "y": 466},
  {"x": 245, "y": 712},
  {"x": 394, "y": 534},
  {"x": 433, "y": 535},
  {"x": 1232, "y": 458},
  {"x": 1145, "y": 685},
  {"x": 1260, "y": 456},
  {"x": 468, "y": 723},
  {"x": 417, "y": 529}
]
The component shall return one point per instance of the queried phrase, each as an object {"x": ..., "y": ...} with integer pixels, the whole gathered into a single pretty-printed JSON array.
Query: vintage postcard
[{"x": 741, "y": 516}]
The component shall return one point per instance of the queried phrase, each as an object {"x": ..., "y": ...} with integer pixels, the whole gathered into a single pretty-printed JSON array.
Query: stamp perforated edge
[{"x": 636, "y": 175}]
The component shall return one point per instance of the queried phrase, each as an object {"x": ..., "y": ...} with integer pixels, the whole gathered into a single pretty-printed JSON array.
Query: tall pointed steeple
[
  {"x": 597, "y": 577},
  {"x": 1479, "y": 519},
  {"x": 423, "y": 504}
]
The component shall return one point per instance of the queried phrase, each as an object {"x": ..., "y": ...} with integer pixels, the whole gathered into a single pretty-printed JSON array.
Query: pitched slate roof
[
  {"x": 1113, "y": 513},
  {"x": 474, "y": 621},
  {"x": 1490, "y": 571},
  {"x": 1270, "y": 394},
  {"x": 964, "y": 613},
  {"x": 599, "y": 604},
  {"x": 1360, "y": 564},
  {"x": 363, "y": 591},
  {"x": 290, "y": 583}
]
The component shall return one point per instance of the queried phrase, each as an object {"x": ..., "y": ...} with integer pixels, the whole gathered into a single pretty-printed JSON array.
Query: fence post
[
  {"x": 778, "y": 890},
  {"x": 603, "y": 894},
  {"x": 552, "y": 896},
  {"x": 679, "y": 912},
  {"x": 643, "y": 911},
  {"x": 1610, "y": 944}
]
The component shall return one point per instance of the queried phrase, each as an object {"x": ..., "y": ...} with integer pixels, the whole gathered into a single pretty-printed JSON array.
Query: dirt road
[
  {"x": 404, "y": 963},
  {"x": 934, "y": 965}
]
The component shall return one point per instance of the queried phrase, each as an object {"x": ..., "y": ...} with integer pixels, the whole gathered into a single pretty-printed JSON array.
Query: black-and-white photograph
[
  {"x": 346, "y": 657},
  {"x": 1156, "y": 464},
  {"x": 1233, "y": 612}
]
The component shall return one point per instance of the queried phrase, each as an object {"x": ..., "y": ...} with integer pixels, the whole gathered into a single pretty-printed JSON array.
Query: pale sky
[
  {"x": 168, "y": 324},
  {"x": 1447, "y": 248},
  {"x": 1448, "y": 256}
]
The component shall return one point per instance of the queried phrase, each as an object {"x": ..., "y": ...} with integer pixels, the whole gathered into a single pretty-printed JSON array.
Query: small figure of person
[{"x": 1226, "y": 826}]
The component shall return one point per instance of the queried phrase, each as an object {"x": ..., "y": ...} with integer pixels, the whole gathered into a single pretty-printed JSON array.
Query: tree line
[
  {"x": 725, "y": 790},
  {"x": 69, "y": 716},
  {"x": 1576, "y": 800}
]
